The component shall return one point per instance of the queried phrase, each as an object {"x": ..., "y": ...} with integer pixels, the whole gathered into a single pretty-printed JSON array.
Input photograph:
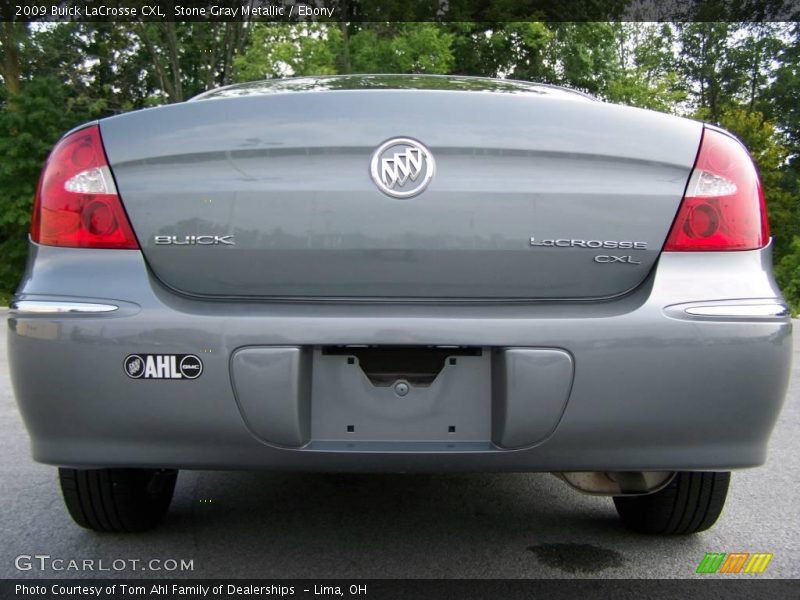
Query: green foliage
[
  {"x": 787, "y": 273},
  {"x": 282, "y": 49},
  {"x": 521, "y": 50},
  {"x": 402, "y": 48},
  {"x": 708, "y": 66},
  {"x": 29, "y": 127},
  {"x": 480, "y": 49},
  {"x": 648, "y": 75},
  {"x": 585, "y": 55},
  {"x": 783, "y": 97}
]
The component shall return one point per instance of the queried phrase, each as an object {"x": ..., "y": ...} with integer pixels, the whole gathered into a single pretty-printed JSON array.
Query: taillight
[
  {"x": 77, "y": 204},
  {"x": 723, "y": 208}
]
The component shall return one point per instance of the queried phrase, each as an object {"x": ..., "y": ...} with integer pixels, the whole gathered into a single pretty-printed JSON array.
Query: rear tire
[
  {"x": 117, "y": 500},
  {"x": 692, "y": 502}
]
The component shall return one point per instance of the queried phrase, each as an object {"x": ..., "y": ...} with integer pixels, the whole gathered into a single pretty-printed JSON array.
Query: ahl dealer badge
[{"x": 163, "y": 366}]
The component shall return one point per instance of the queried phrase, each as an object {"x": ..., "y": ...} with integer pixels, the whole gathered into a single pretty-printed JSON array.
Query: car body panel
[
  {"x": 286, "y": 177},
  {"x": 650, "y": 391}
]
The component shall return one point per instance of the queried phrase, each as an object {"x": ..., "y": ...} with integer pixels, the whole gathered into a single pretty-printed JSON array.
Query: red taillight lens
[
  {"x": 76, "y": 201},
  {"x": 723, "y": 208}
]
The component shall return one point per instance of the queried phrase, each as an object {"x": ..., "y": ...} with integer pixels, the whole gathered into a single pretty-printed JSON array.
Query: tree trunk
[
  {"x": 172, "y": 44},
  {"x": 10, "y": 37},
  {"x": 164, "y": 80},
  {"x": 346, "y": 66}
]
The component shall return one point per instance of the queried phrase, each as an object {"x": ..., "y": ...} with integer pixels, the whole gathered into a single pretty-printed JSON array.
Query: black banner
[
  {"x": 389, "y": 589},
  {"x": 400, "y": 10}
]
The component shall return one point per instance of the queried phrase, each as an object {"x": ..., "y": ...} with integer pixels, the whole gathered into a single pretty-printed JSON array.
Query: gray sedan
[{"x": 400, "y": 273}]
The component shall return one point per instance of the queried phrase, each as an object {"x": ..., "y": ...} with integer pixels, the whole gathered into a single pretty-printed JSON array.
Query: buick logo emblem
[
  {"x": 134, "y": 366},
  {"x": 402, "y": 167}
]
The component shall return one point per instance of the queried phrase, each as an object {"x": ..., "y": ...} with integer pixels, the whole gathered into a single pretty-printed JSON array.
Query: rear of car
[{"x": 400, "y": 274}]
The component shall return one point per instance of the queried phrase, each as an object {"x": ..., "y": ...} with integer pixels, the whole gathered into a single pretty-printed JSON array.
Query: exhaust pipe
[{"x": 617, "y": 483}]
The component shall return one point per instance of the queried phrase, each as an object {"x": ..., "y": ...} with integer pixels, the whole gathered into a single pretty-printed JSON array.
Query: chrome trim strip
[
  {"x": 740, "y": 310},
  {"x": 56, "y": 307}
]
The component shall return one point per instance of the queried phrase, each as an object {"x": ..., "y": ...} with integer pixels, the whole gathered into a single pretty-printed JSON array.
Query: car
[{"x": 377, "y": 273}]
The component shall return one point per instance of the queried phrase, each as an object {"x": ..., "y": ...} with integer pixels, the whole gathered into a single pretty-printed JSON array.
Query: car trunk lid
[{"x": 533, "y": 196}]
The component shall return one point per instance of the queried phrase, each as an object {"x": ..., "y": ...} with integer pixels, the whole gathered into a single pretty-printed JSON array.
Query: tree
[
  {"x": 43, "y": 111},
  {"x": 783, "y": 95},
  {"x": 647, "y": 75},
  {"x": 707, "y": 65},
  {"x": 189, "y": 58},
  {"x": 12, "y": 36},
  {"x": 754, "y": 55},
  {"x": 522, "y": 49},
  {"x": 481, "y": 49},
  {"x": 282, "y": 49},
  {"x": 583, "y": 55},
  {"x": 787, "y": 273},
  {"x": 401, "y": 48}
]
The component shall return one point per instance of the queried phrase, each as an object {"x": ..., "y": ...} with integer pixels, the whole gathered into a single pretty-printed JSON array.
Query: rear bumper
[{"x": 636, "y": 383}]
